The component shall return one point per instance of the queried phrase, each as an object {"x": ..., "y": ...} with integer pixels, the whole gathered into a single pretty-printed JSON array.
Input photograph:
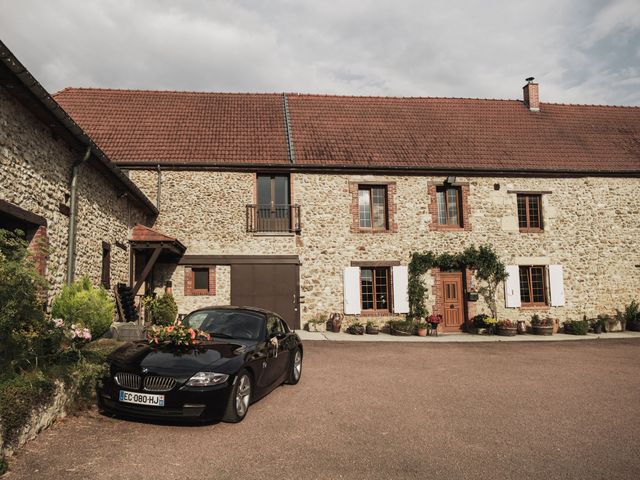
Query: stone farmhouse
[
  {"x": 313, "y": 204},
  {"x": 75, "y": 206}
]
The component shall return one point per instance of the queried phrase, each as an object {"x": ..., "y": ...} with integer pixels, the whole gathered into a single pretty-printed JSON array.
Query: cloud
[{"x": 581, "y": 51}]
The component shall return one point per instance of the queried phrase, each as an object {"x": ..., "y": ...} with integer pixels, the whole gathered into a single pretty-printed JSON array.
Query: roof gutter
[
  {"x": 392, "y": 170},
  {"x": 48, "y": 103}
]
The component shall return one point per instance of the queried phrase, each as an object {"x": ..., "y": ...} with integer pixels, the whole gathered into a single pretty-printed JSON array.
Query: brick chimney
[{"x": 531, "y": 97}]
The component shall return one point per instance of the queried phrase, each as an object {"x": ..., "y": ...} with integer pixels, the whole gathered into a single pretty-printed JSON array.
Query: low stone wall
[{"x": 41, "y": 418}]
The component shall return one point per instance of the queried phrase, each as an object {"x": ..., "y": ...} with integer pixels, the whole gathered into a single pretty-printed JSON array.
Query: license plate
[{"x": 142, "y": 398}]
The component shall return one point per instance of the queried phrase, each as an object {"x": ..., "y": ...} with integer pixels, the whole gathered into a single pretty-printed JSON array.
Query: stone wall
[
  {"x": 591, "y": 227},
  {"x": 35, "y": 176}
]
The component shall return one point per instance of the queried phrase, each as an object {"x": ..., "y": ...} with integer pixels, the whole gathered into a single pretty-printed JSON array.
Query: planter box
[
  {"x": 372, "y": 330},
  {"x": 540, "y": 330},
  {"x": 507, "y": 331}
]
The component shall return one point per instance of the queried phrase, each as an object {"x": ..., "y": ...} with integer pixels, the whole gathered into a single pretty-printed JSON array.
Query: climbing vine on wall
[{"x": 484, "y": 260}]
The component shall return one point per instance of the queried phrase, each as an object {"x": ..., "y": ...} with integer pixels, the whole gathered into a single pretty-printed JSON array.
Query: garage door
[{"x": 273, "y": 287}]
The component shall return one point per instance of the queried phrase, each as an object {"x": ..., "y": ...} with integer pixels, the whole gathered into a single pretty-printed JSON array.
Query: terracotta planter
[
  {"x": 507, "y": 331},
  {"x": 542, "y": 330},
  {"x": 522, "y": 327},
  {"x": 421, "y": 332}
]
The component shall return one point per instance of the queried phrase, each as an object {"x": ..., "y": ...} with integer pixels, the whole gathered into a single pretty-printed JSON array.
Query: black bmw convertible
[{"x": 251, "y": 352}]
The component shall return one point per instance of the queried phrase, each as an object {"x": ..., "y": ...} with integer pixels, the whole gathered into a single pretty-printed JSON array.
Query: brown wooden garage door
[{"x": 274, "y": 287}]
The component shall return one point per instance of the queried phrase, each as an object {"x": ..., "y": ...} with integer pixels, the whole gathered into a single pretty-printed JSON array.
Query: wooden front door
[{"x": 452, "y": 301}]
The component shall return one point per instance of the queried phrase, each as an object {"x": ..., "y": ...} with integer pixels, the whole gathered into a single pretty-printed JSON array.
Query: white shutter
[
  {"x": 556, "y": 285},
  {"x": 400, "y": 289},
  {"x": 352, "y": 291},
  {"x": 512, "y": 287}
]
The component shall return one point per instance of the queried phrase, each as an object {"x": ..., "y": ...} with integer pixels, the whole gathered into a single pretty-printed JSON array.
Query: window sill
[
  {"x": 535, "y": 307},
  {"x": 274, "y": 234},
  {"x": 370, "y": 230},
  {"x": 201, "y": 293},
  {"x": 446, "y": 228},
  {"x": 376, "y": 313},
  {"x": 531, "y": 230}
]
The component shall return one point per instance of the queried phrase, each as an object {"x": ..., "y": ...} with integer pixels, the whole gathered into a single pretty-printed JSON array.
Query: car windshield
[{"x": 241, "y": 324}]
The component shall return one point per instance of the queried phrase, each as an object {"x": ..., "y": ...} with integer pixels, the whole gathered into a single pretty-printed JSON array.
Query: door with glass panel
[{"x": 273, "y": 212}]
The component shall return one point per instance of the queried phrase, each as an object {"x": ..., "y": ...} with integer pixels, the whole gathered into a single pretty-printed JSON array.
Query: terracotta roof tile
[
  {"x": 446, "y": 133},
  {"x": 140, "y": 233}
]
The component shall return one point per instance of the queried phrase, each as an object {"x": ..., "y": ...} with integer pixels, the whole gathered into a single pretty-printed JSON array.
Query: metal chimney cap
[{"x": 530, "y": 79}]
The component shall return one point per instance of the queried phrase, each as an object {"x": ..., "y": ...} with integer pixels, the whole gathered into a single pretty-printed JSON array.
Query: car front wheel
[
  {"x": 240, "y": 398},
  {"x": 295, "y": 367}
]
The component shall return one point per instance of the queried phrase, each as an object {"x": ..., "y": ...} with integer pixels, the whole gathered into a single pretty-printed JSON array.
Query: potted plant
[
  {"x": 372, "y": 328},
  {"x": 421, "y": 328},
  {"x": 402, "y": 328},
  {"x": 507, "y": 328},
  {"x": 335, "y": 322},
  {"x": 541, "y": 326},
  {"x": 433, "y": 321},
  {"x": 479, "y": 326},
  {"x": 576, "y": 327},
  {"x": 356, "y": 328},
  {"x": 316, "y": 324},
  {"x": 599, "y": 325}
]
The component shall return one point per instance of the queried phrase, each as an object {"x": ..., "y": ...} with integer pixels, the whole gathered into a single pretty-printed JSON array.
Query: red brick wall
[
  {"x": 188, "y": 282},
  {"x": 38, "y": 248},
  {"x": 392, "y": 208},
  {"x": 466, "y": 210}
]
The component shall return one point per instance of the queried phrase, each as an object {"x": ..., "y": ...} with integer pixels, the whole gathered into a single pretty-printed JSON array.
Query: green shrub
[
  {"x": 3, "y": 466},
  {"x": 406, "y": 326},
  {"x": 631, "y": 316},
  {"x": 23, "y": 326},
  {"x": 81, "y": 303},
  {"x": 19, "y": 396},
  {"x": 162, "y": 310},
  {"x": 576, "y": 327}
]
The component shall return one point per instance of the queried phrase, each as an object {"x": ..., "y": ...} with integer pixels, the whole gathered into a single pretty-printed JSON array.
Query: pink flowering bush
[{"x": 177, "y": 335}]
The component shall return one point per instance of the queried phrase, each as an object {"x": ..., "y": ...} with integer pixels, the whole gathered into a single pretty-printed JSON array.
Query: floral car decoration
[{"x": 177, "y": 334}]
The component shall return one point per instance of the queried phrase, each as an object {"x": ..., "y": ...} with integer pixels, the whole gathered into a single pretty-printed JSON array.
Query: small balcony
[{"x": 273, "y": 218}]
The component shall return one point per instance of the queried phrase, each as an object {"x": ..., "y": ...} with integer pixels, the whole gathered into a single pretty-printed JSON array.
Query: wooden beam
[{"x": 147, "y": 270}]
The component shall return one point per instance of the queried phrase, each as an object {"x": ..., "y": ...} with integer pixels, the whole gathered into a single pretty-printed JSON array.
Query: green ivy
[{"x": 484, "y": 260}]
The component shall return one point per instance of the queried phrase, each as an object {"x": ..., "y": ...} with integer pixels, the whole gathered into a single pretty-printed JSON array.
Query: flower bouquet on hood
[{"x": 177, "y": 334}]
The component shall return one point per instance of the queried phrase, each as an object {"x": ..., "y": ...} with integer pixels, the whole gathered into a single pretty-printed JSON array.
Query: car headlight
[{"x": 205, "y": 379}]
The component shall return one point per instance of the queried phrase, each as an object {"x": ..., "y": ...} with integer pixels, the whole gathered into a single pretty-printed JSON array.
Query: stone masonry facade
[
  {"x": 591, "y": 228},
  {"x": 35, "y": 171}
]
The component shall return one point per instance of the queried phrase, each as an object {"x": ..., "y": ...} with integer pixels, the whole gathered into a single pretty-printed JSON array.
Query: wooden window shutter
[
  {"x": 556, "y": 286},
  {"x": 352, "y": 291},
  {"x": 512, "y": 287},
  {"x": 400, "y": 289}
]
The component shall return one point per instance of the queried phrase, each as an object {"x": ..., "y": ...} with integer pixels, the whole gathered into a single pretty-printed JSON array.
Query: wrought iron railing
[{"x": 273, "y": 218}]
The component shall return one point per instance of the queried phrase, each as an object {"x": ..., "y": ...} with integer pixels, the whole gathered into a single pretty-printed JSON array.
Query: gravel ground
[{"x": 379, "y": 411}]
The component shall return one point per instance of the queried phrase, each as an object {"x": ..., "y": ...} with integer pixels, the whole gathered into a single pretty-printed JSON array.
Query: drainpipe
[
  {"x": 159, "y": 189},
  {"x": 71, "y": 243}
]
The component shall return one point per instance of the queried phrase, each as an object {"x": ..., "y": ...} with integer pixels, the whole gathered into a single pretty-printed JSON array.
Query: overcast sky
[{"x": 580, "y": 51}]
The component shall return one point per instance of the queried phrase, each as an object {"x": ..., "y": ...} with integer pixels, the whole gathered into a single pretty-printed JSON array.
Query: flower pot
[
  {"x": 542, "y": 329},
  {"x": 481, "y": 331},
  {"x": 421, "y": 332},
  {"x": 522, "y": 327},
  {"x": 372, "y": 330},
  {"x": 507, "y": 331},
  {"x": 597, "y": 329}
]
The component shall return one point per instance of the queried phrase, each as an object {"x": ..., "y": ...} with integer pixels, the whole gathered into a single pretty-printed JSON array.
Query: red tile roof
[
  {"x": 358, "y": 132},
  {"x": 180, "y": 127},
  {"x": 140, "y": 233}
]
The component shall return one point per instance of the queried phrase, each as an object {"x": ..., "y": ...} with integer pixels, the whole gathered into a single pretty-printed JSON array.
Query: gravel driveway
[{"x": 363, "y": 410}]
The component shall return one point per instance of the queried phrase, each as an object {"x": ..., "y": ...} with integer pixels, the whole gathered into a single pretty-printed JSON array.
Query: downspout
[
  {"x": 71, "y": 242},
  {"x": 159, "y": 189}
]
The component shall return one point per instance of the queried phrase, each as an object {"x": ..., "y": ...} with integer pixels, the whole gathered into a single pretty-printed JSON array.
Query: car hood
[{"x": 181, "y": 362}]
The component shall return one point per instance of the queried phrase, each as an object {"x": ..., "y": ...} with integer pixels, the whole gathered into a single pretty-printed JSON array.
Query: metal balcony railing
[{"x": 273, "y": 218}]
